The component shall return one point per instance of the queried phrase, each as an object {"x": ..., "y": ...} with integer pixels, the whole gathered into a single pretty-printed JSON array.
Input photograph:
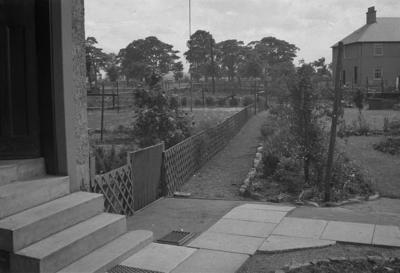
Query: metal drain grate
[
  {"x": 176, "y": 237},
  {"x": 128, "y": 269}
]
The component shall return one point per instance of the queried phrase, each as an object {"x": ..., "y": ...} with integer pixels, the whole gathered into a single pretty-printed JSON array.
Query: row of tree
[{"x": 149, "y": 59}]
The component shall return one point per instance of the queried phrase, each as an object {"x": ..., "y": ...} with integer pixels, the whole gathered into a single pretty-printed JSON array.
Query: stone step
[
  {"x": 27, "y": 227},
  {"x": 108, "y": 256},
  {"x": 63, "y": 248},
  {"x": 13, "y": 170},
  {"x": 21, "y": 195}
]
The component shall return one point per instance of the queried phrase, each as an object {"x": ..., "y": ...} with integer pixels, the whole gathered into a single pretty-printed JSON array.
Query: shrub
[
  {"x": 108, "y": 159},
  {"x": 183, "y": 101},
  {"x": 173, "y": 102},
  {"x": 210, "y": 101},
  {"x": 157, "y": 122},
  {"x": 270, "y": 163},
  {"x": 198, "y": 102},
  {"x": 233, "y": 102},
  {"x": 221, "y": 102},
  {"x": 247, "y": 100},
  {"x": 389, "y": 145},
  {"x": 288, "y": 175}
]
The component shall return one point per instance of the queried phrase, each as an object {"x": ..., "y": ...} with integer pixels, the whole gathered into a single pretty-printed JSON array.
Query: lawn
[
  {"x": 202, "y": 117},
  {"x": 374, "y": 118},
  {"x": 383, "y": 168}
]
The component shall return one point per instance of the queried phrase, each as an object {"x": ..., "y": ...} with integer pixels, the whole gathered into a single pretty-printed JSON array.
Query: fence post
[
  {"x": 117, "y": 97},
  {"x": 102, "y": 113}
]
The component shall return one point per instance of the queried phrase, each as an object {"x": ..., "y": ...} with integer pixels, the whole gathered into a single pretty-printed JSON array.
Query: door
[{"x": 19, "y": 119}]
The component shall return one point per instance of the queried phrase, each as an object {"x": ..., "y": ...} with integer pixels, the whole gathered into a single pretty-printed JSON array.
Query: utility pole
[{"x": 335, "y": 116}]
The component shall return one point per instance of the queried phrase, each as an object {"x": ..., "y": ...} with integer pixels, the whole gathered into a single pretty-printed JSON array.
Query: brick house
[{"x": 372, "y": 53}]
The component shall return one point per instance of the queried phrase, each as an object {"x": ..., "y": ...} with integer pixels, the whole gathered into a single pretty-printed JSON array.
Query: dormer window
[{"x": 378, "y": 49}]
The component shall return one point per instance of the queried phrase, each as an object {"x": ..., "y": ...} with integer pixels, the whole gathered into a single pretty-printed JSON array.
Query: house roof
[{"x": 386, "y": 29}]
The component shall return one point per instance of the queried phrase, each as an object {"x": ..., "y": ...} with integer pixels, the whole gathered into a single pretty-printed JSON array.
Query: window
[
  {"x": 378, "y": 49},
  {"x": 344, "y": 77},
  {"x": 378, "y": 73}
]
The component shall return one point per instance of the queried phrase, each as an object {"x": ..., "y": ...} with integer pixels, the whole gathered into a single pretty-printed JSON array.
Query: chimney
[{"x": 371, "y": 15}]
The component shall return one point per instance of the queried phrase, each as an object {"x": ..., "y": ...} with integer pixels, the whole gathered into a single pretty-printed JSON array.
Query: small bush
[
  {"x": 389, "y": 145},
  {"x": 210, "y": 101},
  {"x": 184, "y": 101},
  {"x": 270, "y": 163},
  {"x": 247, "y": 100},
  {"x": 173, "y": 102},
  {"x": 221, "y": 102},
  {"x": 198, "y": 102},
  {"x": 233, "y": 102},
  {"x": 108, "y": 159},
  {"x": 288, "y": 175}
]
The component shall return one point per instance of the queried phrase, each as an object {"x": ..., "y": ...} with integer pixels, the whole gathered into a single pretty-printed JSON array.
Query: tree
[
  {"x": 95, "y": 60},
  {"x": 199, "y": 54},
  {"x": 111, "y": 67},
  {"x": 321, "y": 67},
  {"x": 177, "y": 69},
  {"x": 146, "y": 57},
  {"x": 229, "y": 56}
]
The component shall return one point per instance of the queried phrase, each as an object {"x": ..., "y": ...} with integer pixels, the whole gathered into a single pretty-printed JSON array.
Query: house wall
[
  {"x": 79, "y": 91},
  {"x": 362, "y": 56}
]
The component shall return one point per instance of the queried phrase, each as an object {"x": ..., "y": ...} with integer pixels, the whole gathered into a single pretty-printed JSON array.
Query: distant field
[{"x": 374, "y": 118}]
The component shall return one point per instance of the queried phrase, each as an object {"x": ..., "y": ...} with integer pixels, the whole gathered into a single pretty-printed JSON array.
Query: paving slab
[
  {"x": 267, "y": 207},
  {"x": 211, "y": 261},
  {"x": 299, "y": 227},
  {"x": 227, "y": 242},
  {"x": 256, "y": 215},
  {"x": 277, "y": 243},
  {"x": 240, "y": 227},
  {"x": 349, "y": 232},
  {"x": 386, "y": 236},
  {"x": 159, "y": 257}
]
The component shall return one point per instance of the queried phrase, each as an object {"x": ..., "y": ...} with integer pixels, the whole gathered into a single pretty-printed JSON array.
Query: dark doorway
[{"x": 19, "y": 114}]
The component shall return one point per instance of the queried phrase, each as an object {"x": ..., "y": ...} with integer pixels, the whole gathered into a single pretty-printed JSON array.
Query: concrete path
[
  {"x": 238, "y": 230},
  {"x": 222, "y": 176}
]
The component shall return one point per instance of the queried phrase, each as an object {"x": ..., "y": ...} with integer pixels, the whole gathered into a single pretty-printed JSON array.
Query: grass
[{"x": 374, "y": 118}]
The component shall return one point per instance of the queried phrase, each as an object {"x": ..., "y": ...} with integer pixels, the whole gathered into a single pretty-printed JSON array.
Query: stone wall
[{"x": 80, "y": 98}]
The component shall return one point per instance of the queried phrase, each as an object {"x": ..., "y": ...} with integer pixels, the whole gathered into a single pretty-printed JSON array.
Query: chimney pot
[{"x": 371, "y": 15}]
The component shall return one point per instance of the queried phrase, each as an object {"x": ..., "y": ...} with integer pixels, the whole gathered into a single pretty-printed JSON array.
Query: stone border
[{"x": 244, "y": 189}]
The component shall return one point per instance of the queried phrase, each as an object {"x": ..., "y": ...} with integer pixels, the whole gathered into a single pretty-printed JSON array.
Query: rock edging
[{"x": 244, "y": 189}]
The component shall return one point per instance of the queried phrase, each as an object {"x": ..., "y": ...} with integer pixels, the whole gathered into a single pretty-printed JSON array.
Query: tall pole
[
  {"x": 335, "y": 116},
  {"x": 212, "y": 65},
  {"x": 190, "y": 46}
]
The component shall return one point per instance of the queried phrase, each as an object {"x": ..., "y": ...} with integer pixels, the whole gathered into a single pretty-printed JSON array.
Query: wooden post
[
  {"x": 202, "y": 94},
  {"x": 382, "y": 85},
  {"x": 102, "y": 113},
  {"x": 113, "y": 98},
  {"x": 335, "y": 116},
  {"x": 117, "y": 97},
  {"x": 255, "y": 97}
]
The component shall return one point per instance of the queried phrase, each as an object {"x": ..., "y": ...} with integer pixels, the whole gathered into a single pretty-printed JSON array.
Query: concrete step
[
  {"x": 27, "y": 227},
  {"x": 21, "y": 195},
  {"x": 13, "y": 170},
  {"x": 63, "y": 248},
  {"x": 113, "y": 253}
]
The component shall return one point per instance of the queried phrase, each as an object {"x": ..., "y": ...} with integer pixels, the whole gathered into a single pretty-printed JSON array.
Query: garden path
[{"x": 222, "y": 176}]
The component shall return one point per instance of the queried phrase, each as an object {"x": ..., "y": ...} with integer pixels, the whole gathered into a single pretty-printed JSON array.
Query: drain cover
[
  {"x": 128, "y": 269},
  {"x": 176, "y": 237}
]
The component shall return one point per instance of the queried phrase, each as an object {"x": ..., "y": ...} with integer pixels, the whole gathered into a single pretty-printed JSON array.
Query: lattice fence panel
[
  {"x": 117, "y": 188},
  {"x": 185, "y": 158}
]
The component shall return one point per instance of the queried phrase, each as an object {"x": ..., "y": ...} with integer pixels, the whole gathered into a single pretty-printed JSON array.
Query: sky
[{"x": 312, "y": 25}]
